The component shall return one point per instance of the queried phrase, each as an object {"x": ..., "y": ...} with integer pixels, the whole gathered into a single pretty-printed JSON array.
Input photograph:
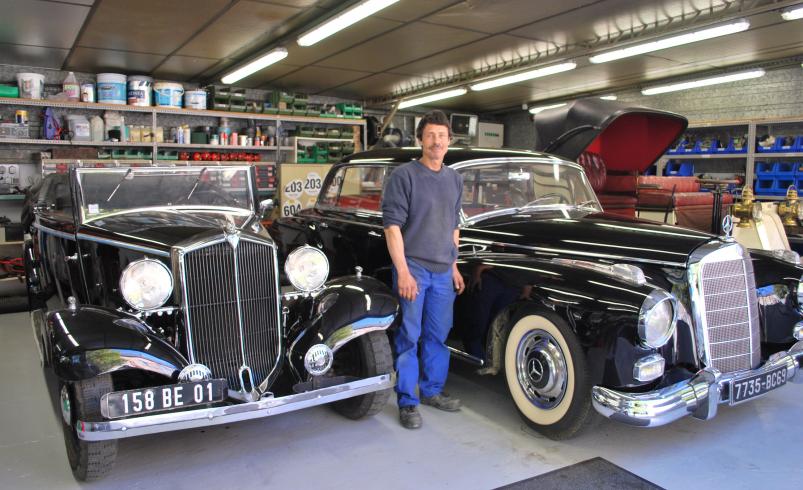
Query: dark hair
[{"x": 432, "y": 117}]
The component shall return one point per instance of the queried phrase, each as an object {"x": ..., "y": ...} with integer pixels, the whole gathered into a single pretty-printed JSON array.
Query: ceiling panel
[
  {"x": 408, "y": 10},
  {"x": 260, "y": 78},
  {"x": 239, "y": 27},
  {"x": 601, "y": 19},
  {"x": 477, "y": 55},
  {"x": 23, "y": 22},
  {"x": 373, "y": 86},
  {"x": 316, "y": 78},
  {"x": 403, "y": 45},
  {"x": 147, "y": 26},
  {"x": 494, "y": 16},
  {"x": 183, "y": 67},
  {"x": 15, "y": 54},
  {"x": 344, "y": 39},
  {"x": 93, "y": 60}
]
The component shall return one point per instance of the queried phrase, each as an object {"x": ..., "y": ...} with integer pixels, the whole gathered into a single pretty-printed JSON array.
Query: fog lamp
[
  {"x": 318, "y": 359},
  {"x": 797, "y": 332},
  {"x": 649, "y": 368}
]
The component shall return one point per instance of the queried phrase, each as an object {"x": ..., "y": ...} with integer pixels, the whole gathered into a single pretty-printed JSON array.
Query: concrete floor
[{"x": 755, "y": 445}]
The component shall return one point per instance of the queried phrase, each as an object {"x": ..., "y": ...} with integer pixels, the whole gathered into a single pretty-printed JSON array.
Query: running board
[{"x": 465, "y": 357}]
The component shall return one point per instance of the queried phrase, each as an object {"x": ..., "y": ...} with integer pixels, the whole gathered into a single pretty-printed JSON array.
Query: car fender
[
  {"x": 345, "y": 309},
  {"x": 87, "y": 341},
  {"x": 601, "y": 308}
]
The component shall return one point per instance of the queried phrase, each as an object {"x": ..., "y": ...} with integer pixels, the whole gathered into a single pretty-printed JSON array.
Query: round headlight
[
  {"x": 656, "y": 322},
  {"x": 307, "y": 268},
  {"x": 146, "y": 284}
]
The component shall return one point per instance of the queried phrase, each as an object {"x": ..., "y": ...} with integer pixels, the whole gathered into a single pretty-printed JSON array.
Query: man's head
[{"x": 435, "y": 134}]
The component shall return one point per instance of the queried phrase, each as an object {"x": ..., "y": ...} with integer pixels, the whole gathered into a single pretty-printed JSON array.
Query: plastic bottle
[
  {"x": 186, "y": 135},
  {"x": 97, "y": 128},
  {"x": 71, "y": 88}
]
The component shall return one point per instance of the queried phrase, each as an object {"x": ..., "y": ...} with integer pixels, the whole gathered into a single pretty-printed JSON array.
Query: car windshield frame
[
  {"x": 246, "y": 210},
  {"x": 591, "y": 204}
]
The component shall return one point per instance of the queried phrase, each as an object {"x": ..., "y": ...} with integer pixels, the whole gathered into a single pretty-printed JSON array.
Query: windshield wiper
[
  {"x": 195, "y": 185},
  {"x": 119, "y": 184}
]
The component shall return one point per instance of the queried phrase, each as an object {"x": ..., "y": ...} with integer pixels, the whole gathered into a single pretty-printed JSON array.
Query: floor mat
[{"x": 596, "y": 473}]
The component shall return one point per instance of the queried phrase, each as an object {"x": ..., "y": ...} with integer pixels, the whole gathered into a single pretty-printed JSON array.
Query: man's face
[{"x": 435, "y": 142}]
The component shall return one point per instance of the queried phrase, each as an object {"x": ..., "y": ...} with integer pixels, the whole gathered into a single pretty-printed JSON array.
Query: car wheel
[
  {"x": 547, "y": 377},
  {"x": 81, "y": 401},
  {"x": 366, "y": 356}
]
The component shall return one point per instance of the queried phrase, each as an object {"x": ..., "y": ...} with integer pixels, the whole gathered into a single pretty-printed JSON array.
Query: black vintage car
[
  {"x": 157, "y": 306},
  {"x": 579, "y": 308}
]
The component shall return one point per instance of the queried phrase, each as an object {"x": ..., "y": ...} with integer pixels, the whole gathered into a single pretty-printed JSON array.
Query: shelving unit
[{"x": 744, "y": 162}]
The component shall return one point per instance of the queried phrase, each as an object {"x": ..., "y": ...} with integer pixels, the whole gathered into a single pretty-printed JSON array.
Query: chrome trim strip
[
  {"x": 51, "y": 231},
  {"x": 590, "y": 254},
  {"x": 204, "y": 417},
  {"x": 698, "y": 396},
  {"x": 465, "y": 356},
  {"x": 117, "y": 243},
  {"x": 343, "y": 335}
]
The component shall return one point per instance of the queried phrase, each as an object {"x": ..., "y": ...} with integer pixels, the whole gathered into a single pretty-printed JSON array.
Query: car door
[
  {"x": 57, "y": 249},
  {"x": 349, "y": 225}
]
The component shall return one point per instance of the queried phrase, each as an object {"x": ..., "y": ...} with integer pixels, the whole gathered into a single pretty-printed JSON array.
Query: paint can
[
  {"x": 112, "y": 88},
  {"x": 139, "y": 90},
  {"x": 168, "y": 94},
  {"x": 195, "y": 99}
]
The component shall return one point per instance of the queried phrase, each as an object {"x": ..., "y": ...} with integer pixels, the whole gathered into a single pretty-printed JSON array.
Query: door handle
[{"x": 374, "y": 233}]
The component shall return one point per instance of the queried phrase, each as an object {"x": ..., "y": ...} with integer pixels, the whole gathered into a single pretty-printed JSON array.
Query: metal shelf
[
  {"x": 179, "y": 112},
  {"x": 769, "y": 154},
  {"x": 123, "y": 162},
  {"x": 12, "y": 197},
  {"x": 341, "y": 140},
  {"x": 25, "y": 141},
  {"x": 704, "y": 156},
  {"x": 217, "y": 147}
]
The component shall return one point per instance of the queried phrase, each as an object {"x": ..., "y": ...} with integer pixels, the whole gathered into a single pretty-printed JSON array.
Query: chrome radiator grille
[
  {"x": 730, "y": 323},
  {"x": 230, "y": 293}
]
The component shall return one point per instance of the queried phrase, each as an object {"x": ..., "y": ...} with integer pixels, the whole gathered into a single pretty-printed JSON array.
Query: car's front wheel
[
  {"x": 81, "y": 401},
  {"x": 547, "y": 377},
  {"x": 366, "y": 356}
]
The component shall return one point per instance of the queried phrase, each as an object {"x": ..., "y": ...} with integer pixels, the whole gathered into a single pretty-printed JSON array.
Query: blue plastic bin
[
  {"x": 782, "y": 184},
  {"x": 764, "y": 169},
  {"x": 733, "y": 149},
  {"x": 784, "y": 169},
  {"x": 679, "y": 169},
  {"x": 785, "y": 144},
  {"x": 764, "y": 185}
]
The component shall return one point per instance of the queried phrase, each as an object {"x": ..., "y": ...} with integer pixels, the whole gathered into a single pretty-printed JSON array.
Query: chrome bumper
[
  {"x": 697, "y": 397},
  {"x": 190, "y": 419}
]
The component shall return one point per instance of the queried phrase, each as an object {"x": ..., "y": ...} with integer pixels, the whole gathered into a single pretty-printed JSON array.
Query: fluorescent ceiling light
[
  {"x": 340, "y": 22},
  {"x": 432, "y": 98},
  {"x": 671, "y": 42},
  {"x": 609, "y": 97},
  {"x": 793, "y": 13},
  {"x": 536, "y": 110},
  {"x": 526, "y": 75},
  {"x": 734, "y": 77},
  {"x": 272, "y": 57}
]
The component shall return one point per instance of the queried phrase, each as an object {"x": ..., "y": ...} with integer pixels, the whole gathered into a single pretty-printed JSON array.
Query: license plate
[
  {"x": 744, "y": 389},
  {"x": 160, "y": 398}
]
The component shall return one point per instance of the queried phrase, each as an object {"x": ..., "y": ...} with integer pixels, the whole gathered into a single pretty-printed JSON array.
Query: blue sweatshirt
[{"x": 425, "y": 205}]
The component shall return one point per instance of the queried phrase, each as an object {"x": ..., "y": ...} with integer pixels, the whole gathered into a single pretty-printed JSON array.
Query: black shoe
[
  {"x": 409, "y": 417},
  {"x": 442, "y": 401}
]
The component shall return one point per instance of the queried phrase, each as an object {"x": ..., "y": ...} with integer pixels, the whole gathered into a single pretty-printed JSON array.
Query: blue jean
[{"x": 427, "y": 319}]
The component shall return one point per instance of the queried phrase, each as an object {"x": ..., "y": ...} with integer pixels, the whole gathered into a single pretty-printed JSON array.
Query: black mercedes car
[
  {"x": 158, "y": 305},
  {"x": 578, "y": 308}
]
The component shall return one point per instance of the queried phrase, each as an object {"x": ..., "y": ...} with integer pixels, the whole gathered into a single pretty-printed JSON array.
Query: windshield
[
  {"x": 499, "y": 187},
  {"x": 118, "y": 190}
]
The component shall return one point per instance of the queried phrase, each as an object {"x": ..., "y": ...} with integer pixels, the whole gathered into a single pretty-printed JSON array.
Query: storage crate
[
  {"x": 784, "y": 169},
  {"x": 764, "y": 169},
  {"x": 785, "y": 144},
  {"x": 679, "y": 169},
  {"x": 737, "y": 144},
  {"x": 782, "y": 184}
]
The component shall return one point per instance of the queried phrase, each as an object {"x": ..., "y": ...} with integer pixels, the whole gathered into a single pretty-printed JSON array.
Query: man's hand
[
  {"x": 408, "y": 288},
  {"x": 457, "y": 279}
]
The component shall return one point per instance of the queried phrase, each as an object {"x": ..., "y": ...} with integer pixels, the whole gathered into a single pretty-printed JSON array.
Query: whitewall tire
[{"x": 546, "y": 375}]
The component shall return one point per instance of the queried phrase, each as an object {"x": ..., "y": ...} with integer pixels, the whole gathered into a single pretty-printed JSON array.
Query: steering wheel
[{"x": 518, "y": 198}]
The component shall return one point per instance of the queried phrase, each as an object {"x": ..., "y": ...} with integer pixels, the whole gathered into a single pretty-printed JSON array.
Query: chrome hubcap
[
  {"x": 64, "y": 401},
  {"x": 541, "y": 369}
]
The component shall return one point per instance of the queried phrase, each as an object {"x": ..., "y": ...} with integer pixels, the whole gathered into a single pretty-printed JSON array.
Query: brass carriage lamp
[
  {"x": 747, "y": 209},
  {"x": 790, "y": 209}
]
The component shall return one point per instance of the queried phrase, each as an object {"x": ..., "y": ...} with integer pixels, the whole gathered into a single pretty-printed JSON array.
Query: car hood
[
  {"x": 160, "y": 229},
  {"x": 586, "y": 236}
]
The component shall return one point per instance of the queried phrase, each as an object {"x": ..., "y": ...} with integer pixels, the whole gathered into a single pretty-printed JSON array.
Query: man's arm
[
  {"x": 408, "y": 288},
  {"x": 457, "y": 278}
]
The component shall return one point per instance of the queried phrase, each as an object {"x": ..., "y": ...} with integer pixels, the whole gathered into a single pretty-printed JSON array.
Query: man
[{"x": 420, "y": 213}]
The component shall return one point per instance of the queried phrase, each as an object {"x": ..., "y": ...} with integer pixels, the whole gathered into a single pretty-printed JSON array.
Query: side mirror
[{"x": 265, "y": 206}]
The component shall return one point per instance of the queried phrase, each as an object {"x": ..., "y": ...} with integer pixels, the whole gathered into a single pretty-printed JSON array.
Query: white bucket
[
  {"x": 111, "y": 88},
  {"x": 31, "y": 85},
  {"x": 195, "y": 99},
  {"x": 139, "y": 90},
  {"x": 167, "y": 94}
]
